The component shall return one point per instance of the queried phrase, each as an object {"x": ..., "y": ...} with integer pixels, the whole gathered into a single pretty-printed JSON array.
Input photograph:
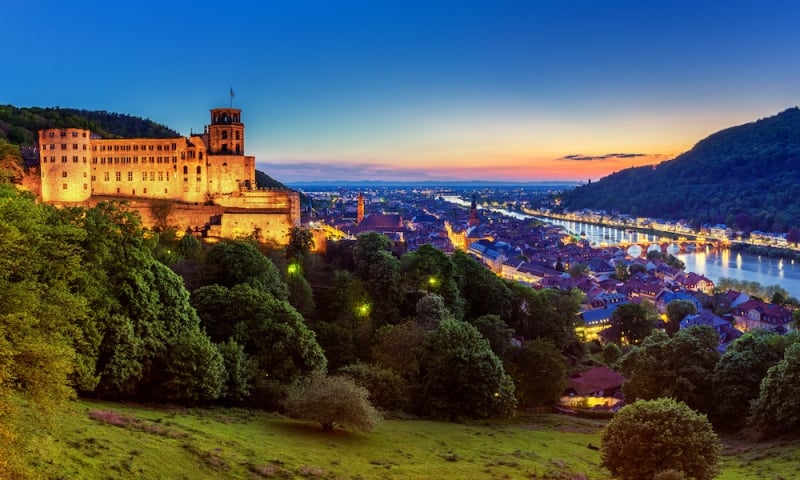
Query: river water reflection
[{"x": 714, "y": 264}]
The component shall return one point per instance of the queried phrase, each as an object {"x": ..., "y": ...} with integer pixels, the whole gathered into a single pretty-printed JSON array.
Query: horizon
[{"x": 420, "y": 91}]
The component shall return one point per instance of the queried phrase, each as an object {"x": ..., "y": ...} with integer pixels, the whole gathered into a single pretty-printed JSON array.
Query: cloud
[{"x": 608, "y": 156}]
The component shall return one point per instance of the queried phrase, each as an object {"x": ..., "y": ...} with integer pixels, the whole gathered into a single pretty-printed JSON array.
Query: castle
[{"x": 207, "y": 178}]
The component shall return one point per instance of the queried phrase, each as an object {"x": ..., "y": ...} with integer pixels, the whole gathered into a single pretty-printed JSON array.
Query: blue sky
[{"x": 420, "y": 90}]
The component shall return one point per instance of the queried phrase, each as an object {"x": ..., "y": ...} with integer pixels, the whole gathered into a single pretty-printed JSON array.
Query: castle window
[
  {"x": 198, "y": 179},
  {"x": 63, "y": 133},
  {"x": 63, "y": 159},
  {"x": 150, "y": 147},
  {"x": 158, "y": 148},
  {"x": 94, "y": 160},
  {"x": 85, "y": 186},
  {"x": 237, "y": 148},
  {"x": 74, "y": 134},
  {"x": 94, "y": 179},
  {"x": 74, "y": 146},
  {"x": 130, "y": 176},
  {"x": 83, "y": 134},
  {"x": 116, "y": 148},
  {"x": 165, "y": 190},
  {"x": 85, "y": 174},
  {"x": 152, "y": 159},
  {"x": 118, "y": 176},
  {"x": 53, "y": 159},
  {"x": 183, "y": 155},
  {"x": 152, "y": 176},
  {"x": 64, "y": 174},
  {"x": 52, "y": 134},
  {"x": 144, "y": 176},
  {"x": 135, "y": 159},
  {"x": 185, "y": 179},
  {"x": 174, "y": 159},
  {"x": 84, "y": 146},
  {"x": 84, "y": 159},
  {"x": 186, "y": 188},
  {"x": 224, "y": 135},
  {"x": 103, "y": 160},
  {"x": 237, "y": 135},
  {"x": 94, "y": 148},
  {"x": 63, "y": 146},
  {"x": 174, "y": 146},
  {"x": 74, "y": 159},
  {"x": 160, "y": 176},
  {"x": 63, "y": 186},
  {"x": 136, "y": 148},
  {"x": 145, "y": 191},
  {"x": 106, "y": 176},
  {"x": 185, "y": 170},
  {"x": 199, "y": 169},
  {"x": 201, "y": 156}
]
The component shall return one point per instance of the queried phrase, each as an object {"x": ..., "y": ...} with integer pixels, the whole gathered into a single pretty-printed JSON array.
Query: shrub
[
  {"x": 331, "y": 401},
  {"x": 651, "y": 436},
  {"x": 387, "y": 389}
]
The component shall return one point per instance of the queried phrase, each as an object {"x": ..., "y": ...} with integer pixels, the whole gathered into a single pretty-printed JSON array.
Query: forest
[{"x": 745, "y": 177}]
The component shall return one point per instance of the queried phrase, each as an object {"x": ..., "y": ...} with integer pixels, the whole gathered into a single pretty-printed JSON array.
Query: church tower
[
  {"x": 226, "y": 132},
  {"x": 473, "y": 221},
  {"x": 360, "y": 213}
]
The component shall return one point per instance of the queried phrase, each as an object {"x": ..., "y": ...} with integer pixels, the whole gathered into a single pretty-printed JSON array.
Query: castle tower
[
  {"x": 226, "y": 132},
  {"x": 65, "y": 164},
  {"x": 360, "y": 209},
  {"x": 229, "y": 171},
  {"x": 473, "y": 221}
]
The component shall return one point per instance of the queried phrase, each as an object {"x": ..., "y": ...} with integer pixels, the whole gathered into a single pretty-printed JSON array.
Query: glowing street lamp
[
  {"x": 294, "y": 269},
  {"x": 363, "y": 309}
]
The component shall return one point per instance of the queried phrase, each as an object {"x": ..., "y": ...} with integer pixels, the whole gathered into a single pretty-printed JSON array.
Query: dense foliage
[
  {"x": 649, "y": 437},
  {"x": 19, "y": 125},
  {"x": 759, "y": 161},
  {"x": 333, "y": 401}
]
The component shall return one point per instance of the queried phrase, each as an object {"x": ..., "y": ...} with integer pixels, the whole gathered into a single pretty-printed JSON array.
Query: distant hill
[
  {"x": 747, "y": 177},
  {"x": 265, "y": 181}
]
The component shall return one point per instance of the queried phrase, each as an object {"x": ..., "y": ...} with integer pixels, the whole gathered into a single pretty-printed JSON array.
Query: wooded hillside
[{"x": 744, "y": 176}]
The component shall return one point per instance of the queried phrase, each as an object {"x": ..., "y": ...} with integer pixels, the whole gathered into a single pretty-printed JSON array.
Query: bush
[
  {"x": 332, "y": 401},
  {"x": 651, "y": 436}
]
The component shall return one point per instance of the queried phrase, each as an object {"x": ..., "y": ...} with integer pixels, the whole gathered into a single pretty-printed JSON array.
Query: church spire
[{"x": 473, "y": 221}]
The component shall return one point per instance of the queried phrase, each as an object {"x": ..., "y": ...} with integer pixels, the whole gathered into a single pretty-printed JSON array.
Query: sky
[{"x": 409, "y": 90}]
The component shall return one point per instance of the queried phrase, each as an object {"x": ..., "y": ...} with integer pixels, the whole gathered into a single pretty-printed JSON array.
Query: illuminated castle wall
[{"x": 202, "y": 169}]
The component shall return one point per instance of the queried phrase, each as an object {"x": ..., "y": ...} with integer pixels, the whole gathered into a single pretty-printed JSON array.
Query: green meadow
[{"x": 98, "y": 440}]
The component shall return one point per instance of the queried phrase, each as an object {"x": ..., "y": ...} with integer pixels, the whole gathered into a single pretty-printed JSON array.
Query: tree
[
  {"x": 496, "y": 332},
  {"x": 652, "y": 436},
  {"x": 429, "y": 270},
  {"x": 380, "y": 273},
  {"x": 239, "y": 261},
  {"x": 461, "y": 376},
  {"x": 677, "y": 310},
  {"x": 737, "y": 377},
  {"x": 634, "y": 322},
  {"x": 431, "y": 311},
  {"x": 578, "y": 269},
  {"x": 621, "y": 272},
  {"x": 776, "y": 406},
  {"x": 195, "y": 368},
  {"x": 333, "y": 401},
  {"x": 161, "y": 211},
  {"x": 301, "y": 297},
  {"x": 387, "y": 389},
  {"x": 399, "y": 347},
  {"x": 301, "y": 242},
  {"x": 545, "y": 313},
  {"x": 680, "y": 367},
  {"x": 539, "y": 372},
  {"x": 484, "y": 293},
  {"x": 239, "y": 371},
  {"x": 611, "y": 353}
]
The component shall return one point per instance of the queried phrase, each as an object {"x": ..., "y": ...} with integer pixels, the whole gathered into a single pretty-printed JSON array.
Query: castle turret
[
  {"x": 65, "y": 155},
  {"x": 226, "y": 132}
]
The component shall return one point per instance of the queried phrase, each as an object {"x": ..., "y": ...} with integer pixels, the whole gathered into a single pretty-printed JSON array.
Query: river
[{"x": 714, "y": 264}]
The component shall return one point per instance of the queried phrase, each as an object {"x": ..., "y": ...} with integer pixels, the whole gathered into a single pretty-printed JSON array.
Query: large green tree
[
  {"x": 633, "y": 322},
  {"x": 545, "y": 313},
  {"x": 430, "y": 270},
  {"x": 379, "y": 271},
  {"x": 484, "y": 293},
  {"x": 239, "y": 261},
  {"x": 653, "y": 436},
  {"x": 677, "y": 310},
  {"x": 539, "y": 372},
  {"x": 776, "y": 407},
  {"x": 461, "y": 376},
  {"x": 738, "y": 374},
  {"x": 680, "y": 367}
]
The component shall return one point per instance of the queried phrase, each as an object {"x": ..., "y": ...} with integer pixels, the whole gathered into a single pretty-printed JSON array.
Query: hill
[
  {"x": 19, "y": 125},
  {"x": 746, "y": 176}
]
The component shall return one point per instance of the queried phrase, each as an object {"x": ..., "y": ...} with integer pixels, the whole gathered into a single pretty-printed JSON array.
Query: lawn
[{"x": 97, "y": 440}]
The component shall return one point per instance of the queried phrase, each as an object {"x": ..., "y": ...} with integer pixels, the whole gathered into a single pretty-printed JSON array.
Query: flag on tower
[{"x": 231, "y": 92}]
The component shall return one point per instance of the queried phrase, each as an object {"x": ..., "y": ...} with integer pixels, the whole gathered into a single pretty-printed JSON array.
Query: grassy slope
[{"x": 218, "y": 443}]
